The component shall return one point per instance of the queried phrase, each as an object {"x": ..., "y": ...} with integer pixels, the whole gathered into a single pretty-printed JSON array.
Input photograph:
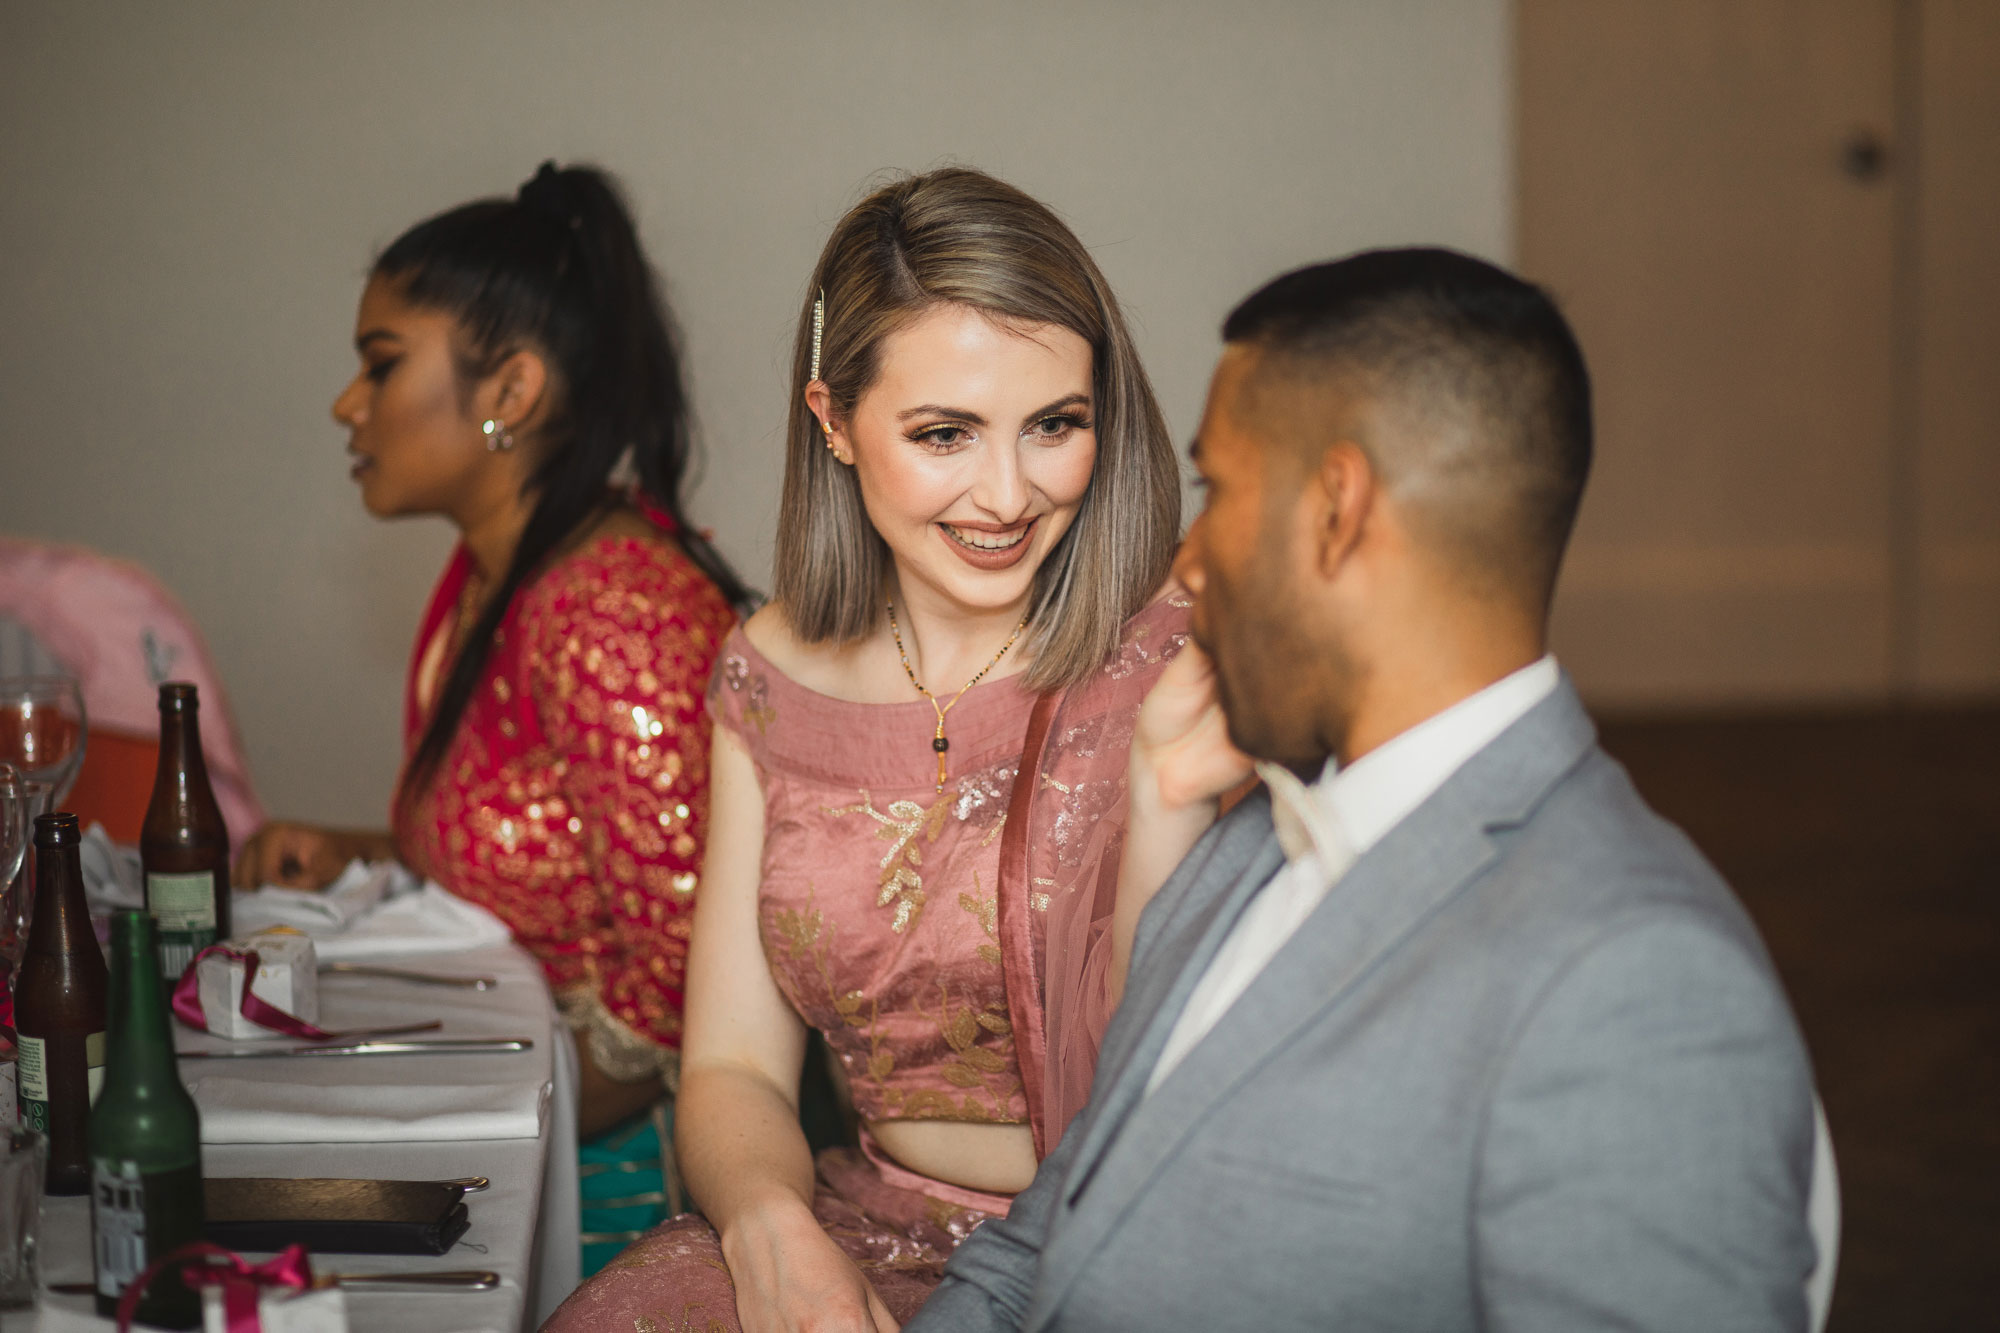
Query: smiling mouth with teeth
[{"x": 986, "y": 541}]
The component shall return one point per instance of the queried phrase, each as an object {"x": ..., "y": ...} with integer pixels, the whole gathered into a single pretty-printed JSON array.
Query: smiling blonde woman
[{"x": 919, "y": 766}]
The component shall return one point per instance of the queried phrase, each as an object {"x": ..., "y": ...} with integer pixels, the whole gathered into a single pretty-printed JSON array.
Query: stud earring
[
  {"x": 498, "y": 438},
  {"x": 827, "y": 426}
]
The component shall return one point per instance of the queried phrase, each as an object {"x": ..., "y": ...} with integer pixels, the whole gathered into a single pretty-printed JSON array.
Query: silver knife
[
  {"x": 459, "y": 1280},
  {"x": 400, "y": 974},
  {"x": 423, "y": 1046},
  {"x": 464, "y": 1279}
]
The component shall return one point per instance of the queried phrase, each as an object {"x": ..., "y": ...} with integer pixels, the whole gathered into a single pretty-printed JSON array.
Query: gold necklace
[{"x": 938, "y": 742}]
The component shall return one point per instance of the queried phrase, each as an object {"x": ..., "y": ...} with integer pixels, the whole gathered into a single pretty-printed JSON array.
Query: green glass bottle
[{"x": 145, "y": 1139}]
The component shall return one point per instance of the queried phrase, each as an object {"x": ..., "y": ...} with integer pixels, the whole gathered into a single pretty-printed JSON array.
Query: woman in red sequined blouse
[{"x": 514, "y": 354}]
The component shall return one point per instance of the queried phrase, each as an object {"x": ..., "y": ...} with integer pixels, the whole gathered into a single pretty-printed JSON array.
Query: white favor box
[
  {"x": 282, "y": 1311},
  {"x": 287, "y": 978}
]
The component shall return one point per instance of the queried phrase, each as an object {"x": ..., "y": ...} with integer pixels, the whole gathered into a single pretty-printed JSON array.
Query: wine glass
[
  {"x": 17, "y": 800},
  {"x": 15, "y": 822},
  {"x": 42, "y": 732},
  {"x": 42, "y": 738}
]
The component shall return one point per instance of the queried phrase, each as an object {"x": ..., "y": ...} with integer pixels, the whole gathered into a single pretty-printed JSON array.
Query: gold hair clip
[{"x": 819, "y": 326}]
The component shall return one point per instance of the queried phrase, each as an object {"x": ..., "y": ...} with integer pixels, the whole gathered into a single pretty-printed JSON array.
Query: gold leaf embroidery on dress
[
  {"x": 972, "y": 1067},
  {"x": 987, "y": 912},
  {"x": 798, "y": 930},
  {"x": 693, "y": 1319},
  {"x": 758, "y": 710},
  {"x": 805, "y": 933},
  {"x": 908, "y": 827}
]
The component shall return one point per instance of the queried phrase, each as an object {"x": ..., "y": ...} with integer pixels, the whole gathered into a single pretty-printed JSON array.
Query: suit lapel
[
  {"x": 1387, "y": 895},
  {"x": 1155, "y": 1002}
]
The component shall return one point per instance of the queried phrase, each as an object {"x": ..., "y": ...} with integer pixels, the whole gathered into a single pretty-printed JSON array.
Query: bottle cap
[
  {"x": 178, "y": 696},
  {"x": 57, "y": 830}
]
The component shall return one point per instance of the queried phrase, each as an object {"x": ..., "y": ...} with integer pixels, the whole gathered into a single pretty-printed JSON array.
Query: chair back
[
  {"x": 112, "y": 626},
  {"x": 1823, "y": 1217}
]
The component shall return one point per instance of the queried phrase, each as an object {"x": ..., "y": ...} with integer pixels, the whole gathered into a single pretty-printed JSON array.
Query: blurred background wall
[
  {"x": 1773, "y": 224},
  {"x": 190, "y": 195}
]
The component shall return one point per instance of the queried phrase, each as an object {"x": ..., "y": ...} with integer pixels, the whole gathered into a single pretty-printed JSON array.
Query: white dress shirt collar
[
  {"x": 1350, "y": 809},
  {"x": 1328, "y": 826}
]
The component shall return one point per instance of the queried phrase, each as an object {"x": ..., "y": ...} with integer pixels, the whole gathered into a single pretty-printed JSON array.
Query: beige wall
[
  {"x": 1794, "y": 497},
  {"x": 190, "y": 194}
]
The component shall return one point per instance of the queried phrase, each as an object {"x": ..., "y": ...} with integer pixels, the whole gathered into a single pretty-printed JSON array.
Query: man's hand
[{"x": 303, "y": 856}]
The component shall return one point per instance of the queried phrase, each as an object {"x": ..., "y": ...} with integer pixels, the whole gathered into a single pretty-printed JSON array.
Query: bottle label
[
  {"x": 32, "y": 1068},
  {"x": 93, "y": 1059},
  {"x": 183, "y": 908},
  {"x": 136, "y": 1216},
  {"x": 118, "y": 1220}
]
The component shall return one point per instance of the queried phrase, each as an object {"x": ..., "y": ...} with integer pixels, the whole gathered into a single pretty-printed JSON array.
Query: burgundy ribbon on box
[
  {"x": 187, "y": 1004},
  {"x": 240, "y": 1281}
]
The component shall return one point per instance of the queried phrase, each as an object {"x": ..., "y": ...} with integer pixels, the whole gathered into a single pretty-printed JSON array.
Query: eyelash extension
[
  {"x": 1067, "y": 421},
  {"x": 928, "y": 436},
  {"x": 1070, "y": 421}
]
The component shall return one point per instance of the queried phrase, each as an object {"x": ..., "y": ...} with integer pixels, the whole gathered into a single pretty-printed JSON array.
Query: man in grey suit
[{"x": 1443, "y": 1029}]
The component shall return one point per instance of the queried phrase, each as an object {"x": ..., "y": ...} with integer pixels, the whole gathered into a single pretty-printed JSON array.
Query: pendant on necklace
[{"x": 938, "y": 742}]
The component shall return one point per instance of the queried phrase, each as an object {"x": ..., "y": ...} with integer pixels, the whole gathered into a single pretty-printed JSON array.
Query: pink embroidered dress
[
  {"x": 572, "y": 799},
  {"x": 950, "y": 946}
]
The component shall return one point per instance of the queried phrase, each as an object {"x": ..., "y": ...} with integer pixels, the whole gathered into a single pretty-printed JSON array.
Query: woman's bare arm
[{"x": 736, "y": 1120}]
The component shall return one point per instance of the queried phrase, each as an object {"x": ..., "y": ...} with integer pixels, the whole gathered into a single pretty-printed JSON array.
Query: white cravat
[{"x": 1326, "y": 827}]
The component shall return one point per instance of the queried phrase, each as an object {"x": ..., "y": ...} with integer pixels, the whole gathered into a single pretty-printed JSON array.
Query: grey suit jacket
[{"x": 1526, "y": 1068}]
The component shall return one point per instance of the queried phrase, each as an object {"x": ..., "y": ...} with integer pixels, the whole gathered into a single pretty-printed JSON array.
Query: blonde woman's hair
[{"x": 960, "y": 237}]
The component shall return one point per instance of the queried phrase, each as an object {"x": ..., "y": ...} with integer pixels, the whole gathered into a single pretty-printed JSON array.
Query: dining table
[{"x": 508, "y": 1116}]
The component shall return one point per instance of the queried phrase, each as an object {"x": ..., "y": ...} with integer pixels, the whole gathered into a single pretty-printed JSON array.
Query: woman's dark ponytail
[{"x": 558, "y": 269}]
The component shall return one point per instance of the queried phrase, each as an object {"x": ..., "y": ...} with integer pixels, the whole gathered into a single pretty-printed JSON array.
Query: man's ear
[
  {"x": 517, "y": 387},
  {"x": 1342, "y": 490}
]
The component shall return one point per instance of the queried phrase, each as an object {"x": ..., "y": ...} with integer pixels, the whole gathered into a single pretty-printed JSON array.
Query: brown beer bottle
[
  {"x": 183, "y": 845},
  {"x": 59, "y": 1003}
]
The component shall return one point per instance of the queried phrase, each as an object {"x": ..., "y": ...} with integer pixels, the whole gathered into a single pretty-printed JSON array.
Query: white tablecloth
[{"x": 524, "y": 1227}]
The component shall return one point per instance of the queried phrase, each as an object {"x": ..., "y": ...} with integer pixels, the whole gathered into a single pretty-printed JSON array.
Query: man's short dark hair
[{"x": 1453, "y": 339}]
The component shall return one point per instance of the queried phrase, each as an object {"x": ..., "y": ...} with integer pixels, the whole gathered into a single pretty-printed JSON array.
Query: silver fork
[{"x": 398, "y": 974}]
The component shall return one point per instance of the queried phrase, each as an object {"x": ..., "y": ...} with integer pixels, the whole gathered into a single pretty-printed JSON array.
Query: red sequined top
[{"x": 572, "y": 801}]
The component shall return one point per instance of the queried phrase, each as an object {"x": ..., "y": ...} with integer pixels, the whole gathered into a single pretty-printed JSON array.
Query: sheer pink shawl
[{"x": 1059, "y": 866}]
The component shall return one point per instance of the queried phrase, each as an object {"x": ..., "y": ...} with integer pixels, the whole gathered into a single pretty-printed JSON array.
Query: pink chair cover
[{"x": 121, "y": 634}]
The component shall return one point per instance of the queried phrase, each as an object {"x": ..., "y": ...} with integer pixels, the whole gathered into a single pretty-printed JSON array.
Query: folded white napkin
[
  {"x": 372, "y": 911},
  {"x": 326, "y": 1101},
  {"x": 359, "y": 888},
  {"x": 111, "y": 875},
  {"x": 443, "y": 1097}
]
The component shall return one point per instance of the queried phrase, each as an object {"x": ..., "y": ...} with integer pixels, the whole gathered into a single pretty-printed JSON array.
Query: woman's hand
[
  {"x": 791, "y": 1278},
  {"x": 303, "y": 856},
  {"x": 1182, "y": 764},
  {"x": 1182, "y": 759}
]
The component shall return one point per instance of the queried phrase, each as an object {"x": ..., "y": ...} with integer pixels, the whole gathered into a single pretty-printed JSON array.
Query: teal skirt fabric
[{"x": 629, "y": 1184}]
